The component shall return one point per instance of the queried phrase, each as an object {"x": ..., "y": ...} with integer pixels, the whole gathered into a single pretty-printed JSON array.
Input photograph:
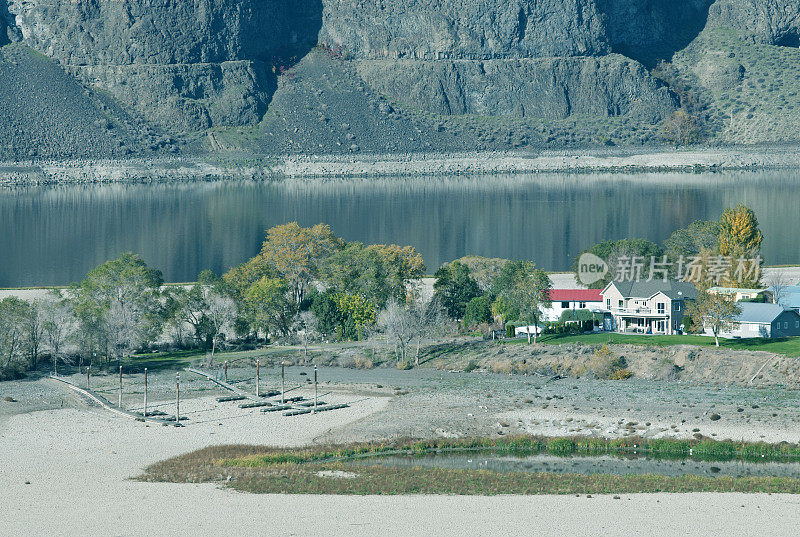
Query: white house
[
  {"x": 647, "y": 307},
  {"x": 571, "y": 300}
]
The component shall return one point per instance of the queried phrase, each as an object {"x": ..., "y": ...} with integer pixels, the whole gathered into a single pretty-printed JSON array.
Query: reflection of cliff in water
[{"x": 59, "y": 233}]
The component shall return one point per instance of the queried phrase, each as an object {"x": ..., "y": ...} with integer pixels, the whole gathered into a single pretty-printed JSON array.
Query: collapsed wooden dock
[{"x": 290, "y": 406}]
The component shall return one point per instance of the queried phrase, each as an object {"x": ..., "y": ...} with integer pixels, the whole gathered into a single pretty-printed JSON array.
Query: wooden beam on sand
[{"x": 106, "y": 404}]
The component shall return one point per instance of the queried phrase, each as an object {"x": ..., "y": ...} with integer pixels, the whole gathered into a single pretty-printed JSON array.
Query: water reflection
[{"x": 54, "y": 235}]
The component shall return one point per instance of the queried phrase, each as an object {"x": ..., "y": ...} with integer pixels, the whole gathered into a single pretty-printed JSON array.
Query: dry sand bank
[
  {"x": 79, "y": 461},
  {"x": 237, "y": 166}
]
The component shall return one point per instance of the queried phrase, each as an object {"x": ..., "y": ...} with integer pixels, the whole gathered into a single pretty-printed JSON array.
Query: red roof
[{"x": 576, "y": 295}]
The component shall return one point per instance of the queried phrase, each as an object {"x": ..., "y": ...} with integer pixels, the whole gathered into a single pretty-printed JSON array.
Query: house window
[
  {"x": 621, "y": 303},
  {"x": 785, "y": 326},
  {"x": 677, "y": 306},
  {"x": 608, "y": 303},
  {"x": 565, "y": 305},
  {"x": 661, "y": 308},
  {"x": 797, "y": 324},
  {"x": 583, "y": 305}
]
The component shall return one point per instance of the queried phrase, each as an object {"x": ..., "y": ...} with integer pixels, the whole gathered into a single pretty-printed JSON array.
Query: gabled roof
[
  {"x": 754, "y": 312},
  {"x": 644, "y": 289},
  {"x": 575, "y": 295}
]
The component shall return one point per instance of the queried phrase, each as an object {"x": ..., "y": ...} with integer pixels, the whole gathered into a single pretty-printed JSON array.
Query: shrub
[
  {"x": 471, "y": 366},
  {"x": 605, "y": 365},
  {"x": 403, "y": 365},
  {"x": 503, "y": 366},
  {"x": 620, "y": 374},
  {"x": 362, "y": 362}
]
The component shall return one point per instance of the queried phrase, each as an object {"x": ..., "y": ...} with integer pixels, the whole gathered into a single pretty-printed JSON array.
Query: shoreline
[
  {"x": 242, "y": 167},
  {"x": 89, "y": 457}
]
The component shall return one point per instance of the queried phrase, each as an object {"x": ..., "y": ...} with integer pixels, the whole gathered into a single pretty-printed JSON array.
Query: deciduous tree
[
  {"x": 454, "y": 288},
  {"x": 714, "y": 311},
  {"x": 527, "y": 293}
]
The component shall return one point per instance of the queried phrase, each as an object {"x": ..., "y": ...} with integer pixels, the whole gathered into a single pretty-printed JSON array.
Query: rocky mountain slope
[{"x": 330, "y": 76}]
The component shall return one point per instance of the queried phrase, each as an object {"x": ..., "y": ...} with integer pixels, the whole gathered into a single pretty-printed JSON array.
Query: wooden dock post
[
  {"x": 258, "y": 371},
  {"x": 315, "y": 390},
  {"x": 144, "y": 412},
  {"x": 87, "y": 377},
  {"x": 283, "y": 391},
  {"x": 225, "y": 368},
  {"x": 119, "y": 404},
  {"x": 177, "y": 398}
]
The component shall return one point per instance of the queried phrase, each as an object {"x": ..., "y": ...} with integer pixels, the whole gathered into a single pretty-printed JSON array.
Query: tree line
[{"x": 304, "y": 285}]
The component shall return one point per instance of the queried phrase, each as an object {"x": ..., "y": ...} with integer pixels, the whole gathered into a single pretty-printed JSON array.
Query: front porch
[{"x": 643, "y": 325}]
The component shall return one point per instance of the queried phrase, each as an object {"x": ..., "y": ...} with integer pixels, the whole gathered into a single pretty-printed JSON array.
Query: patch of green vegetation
[
  {"x": 298, "y": 471},
  {"x": 579, "y": 445}
]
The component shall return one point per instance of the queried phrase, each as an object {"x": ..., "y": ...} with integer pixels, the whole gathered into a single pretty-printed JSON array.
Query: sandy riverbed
[
  {"x": 79, "y": 460},
  {"x": 412, "y": 164}
]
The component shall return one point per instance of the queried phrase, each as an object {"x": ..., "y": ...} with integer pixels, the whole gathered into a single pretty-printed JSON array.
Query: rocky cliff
[{"x": 554, "y": 67}]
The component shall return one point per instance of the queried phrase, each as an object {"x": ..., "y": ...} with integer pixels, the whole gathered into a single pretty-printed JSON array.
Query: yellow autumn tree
[
  {"x": 740, "y": 238},
  {"x": 296, "y": 252},
  {"x": 291, "y": 252}
]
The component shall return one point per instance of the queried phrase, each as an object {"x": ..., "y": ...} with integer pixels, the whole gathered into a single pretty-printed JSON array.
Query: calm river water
[{"x": 54, "y": 235}]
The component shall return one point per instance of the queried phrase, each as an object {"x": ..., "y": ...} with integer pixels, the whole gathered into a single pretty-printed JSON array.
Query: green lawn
[{"x": 785, "y": 346}]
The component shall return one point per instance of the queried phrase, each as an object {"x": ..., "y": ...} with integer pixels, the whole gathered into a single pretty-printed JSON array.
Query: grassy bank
[{"x": 328, "y": 470}]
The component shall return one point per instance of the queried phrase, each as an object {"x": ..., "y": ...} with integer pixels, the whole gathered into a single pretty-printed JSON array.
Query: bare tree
[
  {"x": 13, "y": 324},
  {"x": 34, "y": 331},
  {"x": 779, "y": 283},
  {"x": 403, "y": 324},
  {"x": 58, "y": 321},
  {"x": 221, "y": 312},
  {"x": 306, "y": 326}
]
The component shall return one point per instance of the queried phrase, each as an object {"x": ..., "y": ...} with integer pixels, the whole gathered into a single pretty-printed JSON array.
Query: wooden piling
[
  {"x": 225, "y": 369},
  {"x": 144, "y": 412},
  {"x": 258, "y": 372},
  {"x": 177, "y": 398},
  {"x": 119, "y": 404},
  {"x": 315, "y": 389},
  {"x": 283, "y": 391},
  {"x": 87, "y": 377}
]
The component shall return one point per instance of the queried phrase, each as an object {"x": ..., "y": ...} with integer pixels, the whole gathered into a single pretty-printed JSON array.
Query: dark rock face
[
  {"x": 477, "y": 57},
  {"x": 190, "y": 65},
  {"x": 464, "y": 29},
  {"x": 180, "y": 64},
  {"x": 163, "y": 32},
  {"x": 653, "y": 30},
  {"x": 180, "y": 95},
  {"x": 551, "y": 88},
  {"x": 772, "y": 22}
]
